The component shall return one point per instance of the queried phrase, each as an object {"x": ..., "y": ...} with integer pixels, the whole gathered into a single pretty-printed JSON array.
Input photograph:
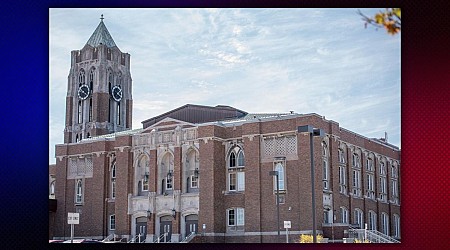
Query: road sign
[
  {"x": 287, "y": 224},
  {"x": 73, "y": 218}
]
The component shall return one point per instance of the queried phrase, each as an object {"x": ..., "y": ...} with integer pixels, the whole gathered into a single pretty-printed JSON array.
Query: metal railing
[
  {"x": 136, "y": 239},
  {"x": 189, "y": 237},
  {"x": 372, "y": 236},
  {"x": 158, "y": 240}
]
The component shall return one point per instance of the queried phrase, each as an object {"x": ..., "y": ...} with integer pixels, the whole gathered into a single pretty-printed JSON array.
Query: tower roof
[{"x": 101, "y": 36}]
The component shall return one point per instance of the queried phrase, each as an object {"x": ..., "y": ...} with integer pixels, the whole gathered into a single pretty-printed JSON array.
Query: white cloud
[{"x": 257, "y": 60}]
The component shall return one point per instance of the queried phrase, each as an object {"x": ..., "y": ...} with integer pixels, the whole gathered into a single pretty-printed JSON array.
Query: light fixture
[
  {"x": 174, "y": 213},
  {"x": 149, "y": 214}
]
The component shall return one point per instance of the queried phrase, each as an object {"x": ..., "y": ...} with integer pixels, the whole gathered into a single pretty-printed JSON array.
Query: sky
[{"x": 321, "y": 61}]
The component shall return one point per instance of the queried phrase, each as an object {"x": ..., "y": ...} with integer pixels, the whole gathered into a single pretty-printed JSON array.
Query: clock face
[
  {"x": 117, "y": 93},
  {"x": 83, "y": 92}
]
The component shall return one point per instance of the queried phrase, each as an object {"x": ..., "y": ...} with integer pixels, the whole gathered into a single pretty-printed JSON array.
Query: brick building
[{"x": 206, "y": 169}]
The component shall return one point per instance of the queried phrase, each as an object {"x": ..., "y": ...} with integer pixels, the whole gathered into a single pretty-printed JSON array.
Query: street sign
[
  {"x": 287, "y": 224},
  {"x": 73, "y": 218}
]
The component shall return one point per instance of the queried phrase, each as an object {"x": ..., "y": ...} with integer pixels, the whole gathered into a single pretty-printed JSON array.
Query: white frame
[{"x": 110, "y": 222}]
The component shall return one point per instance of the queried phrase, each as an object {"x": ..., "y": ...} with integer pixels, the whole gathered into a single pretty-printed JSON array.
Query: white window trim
[
  {"x": 281, "y": 178},
  {"x": 192, "y": 181},
  {"x": 110, "y": 222},
  {"x": 344, "y": 215}
]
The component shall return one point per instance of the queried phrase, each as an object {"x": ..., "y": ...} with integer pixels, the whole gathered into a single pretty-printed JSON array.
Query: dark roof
[
  {"x": 198, "y": 114},
  {"x": 101, "y": 36}
]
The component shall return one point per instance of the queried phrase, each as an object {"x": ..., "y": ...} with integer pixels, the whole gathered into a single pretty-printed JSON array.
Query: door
[
  {"x": 165, "y": 227},
  {"x": 191, "y": 224},
  {"x": 141, "y": 229}
]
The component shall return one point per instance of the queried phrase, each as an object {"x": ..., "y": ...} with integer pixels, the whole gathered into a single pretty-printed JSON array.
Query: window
[
  {"x": 79, "y": 191},
  {"x": 394, "y": 172},
  {"x": 145, "y": 183},
  {"x": 81, "y": 77},
  {"x": 396, "y": 226},
  {"x": 372, "y": 220},
  {"x": 52, "y": 188},
  {"x": 394, "y": 189},
  {"x": 356, "y": 190},
  {"x": 281, "y": 177},
  {"x": 112, "y": 222},
  {"x": 370, "y": 186},
  {"x": 355, "y": 160},
  {"x": 385, "y": 223},
  {"x": 326, "y": 216},
  {"x": 194, "y": 181},
  {"x": 341, "y": 156},
  {"x": 80, "y": 111},
  {"x": 382, "y": 168},
  {"x": 235, "y": 219},
  {"x": 90, "y": 109},
  {"x": 325, "y": 175},
  {"x": 165, "y": 172},
  {"x": 236, "y": 181},
  {"x": 168, "y": 183},
  {"x": 342, "y": 180},
  {"x": 369, "y": 165},
  {"x": 344, "y": 215},
  {"x": 236, "y": 166},
  {"x": 118, "y": 113},
  {"x": 383, "y": 188},
  {"x": 113, "y": 180},
  {"x": 358, "y": 218}
]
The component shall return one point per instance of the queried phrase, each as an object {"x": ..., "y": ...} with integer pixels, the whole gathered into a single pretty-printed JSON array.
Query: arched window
[
  {"x": 236, "y": 170},
  {"x": 90, "y": 110},
  {"x": 79, "y": 191},
  {"x": 52, "y": 188},
  {"x": 358, "y": 218},
  {"x": 279, "y": 166},
  {"x": 344, "y": 215},
  {"x": 191, "y": 172},
  {"x": 341, "y": 156},
  {"x": 81, "y": 77}
]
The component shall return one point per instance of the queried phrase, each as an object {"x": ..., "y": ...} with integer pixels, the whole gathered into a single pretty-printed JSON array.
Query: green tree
[{"x": 390, "y": 19}]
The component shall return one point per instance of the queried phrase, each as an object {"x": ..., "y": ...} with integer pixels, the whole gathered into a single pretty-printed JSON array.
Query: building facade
[{"x": 206, "y": 169}]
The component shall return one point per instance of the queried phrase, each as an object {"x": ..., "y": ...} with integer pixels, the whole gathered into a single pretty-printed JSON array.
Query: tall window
[
  {"x": 369, "y": 164},
  {"x": 235, "y": 219},
  {"x": 325, "y": 170},
  {"x": 79, "y": 191},
  {"x": 325, "y": 175},
  {"x": 385, "y": 223},
  {"x": 81, "y": 77},
  {"x": 382, "y": 192},
  {"x": 394, "y": 183},
  {"x": 396, "y": 226},
  {"x": 326, "y": 215},
  {"x": 358, "y": 218},
  {"x": 118, "y": 113},
  {"x": 80, "y": 111},
  {"x": 370, "y": 186},
  {"x": 372, "y": 220},
  {"x": 52, "y": 188},
  {"x": 281, "y": 176},
  {"x": 90, "y": 109},
  {"x": 236, "y": 170},
  {"x": 342, "y": 180},
  {"x": 344, "y": 215},
  {"x": 355, "y": 160},
  {"x": 356, "y": 189},
  {"x": 113, "y": 181},
  {"x": 112, "y": 222},
  {"x": 341, "y": 156}
]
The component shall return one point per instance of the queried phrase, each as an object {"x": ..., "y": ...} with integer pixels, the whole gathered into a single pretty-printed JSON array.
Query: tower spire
[{"x": 101, "y": 18}]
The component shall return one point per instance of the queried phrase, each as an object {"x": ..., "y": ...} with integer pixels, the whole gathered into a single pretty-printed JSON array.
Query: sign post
[
  {"x": 72, "y": 219},
  {"x": 287, "y": 225}
]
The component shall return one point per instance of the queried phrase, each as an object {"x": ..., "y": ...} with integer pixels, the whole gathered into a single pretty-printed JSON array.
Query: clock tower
[{"x": 99, "y": 99}]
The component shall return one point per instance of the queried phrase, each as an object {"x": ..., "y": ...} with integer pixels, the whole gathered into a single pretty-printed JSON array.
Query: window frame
[
  {"x": 238, "y": 219},
  {"x": 112, "y": 222},
  {"x": 79, "y": 191},
  {"x": 358, "y": 217},
  {"x": 235, "y": 170}
]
